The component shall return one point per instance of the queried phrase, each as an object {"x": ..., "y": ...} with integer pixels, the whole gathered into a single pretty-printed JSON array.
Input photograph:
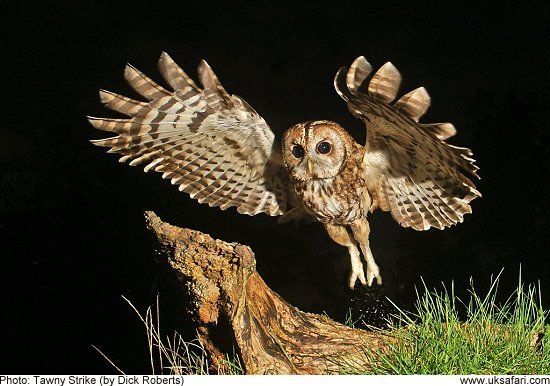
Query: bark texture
[{"x": 231, "y": 303}]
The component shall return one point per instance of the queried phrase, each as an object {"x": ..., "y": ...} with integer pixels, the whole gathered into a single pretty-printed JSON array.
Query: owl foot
[
  {"x": 373, "y": 272},
  {"x": 354, "y": 275}
]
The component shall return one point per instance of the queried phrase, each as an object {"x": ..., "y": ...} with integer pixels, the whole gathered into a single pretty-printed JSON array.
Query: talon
[
  {"x": 372, "y": 274},
  {"x": 357, "y": 274}
]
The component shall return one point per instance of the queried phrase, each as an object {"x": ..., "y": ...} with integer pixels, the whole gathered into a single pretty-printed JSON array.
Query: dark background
[{"x": 72, "y": 237}]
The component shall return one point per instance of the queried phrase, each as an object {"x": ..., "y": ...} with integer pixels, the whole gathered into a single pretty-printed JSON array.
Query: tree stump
[{"x": 229, "y": 299}]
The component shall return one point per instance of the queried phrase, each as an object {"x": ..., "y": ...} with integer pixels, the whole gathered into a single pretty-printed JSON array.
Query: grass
[
  {"x": 172, "y": 354},
  {"x": 492, "y": 338}
]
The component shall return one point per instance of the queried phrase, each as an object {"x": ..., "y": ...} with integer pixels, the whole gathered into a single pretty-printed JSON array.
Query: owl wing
[
  {"x": 409, "y": 168},
  {"x": 212, "y": 144}
]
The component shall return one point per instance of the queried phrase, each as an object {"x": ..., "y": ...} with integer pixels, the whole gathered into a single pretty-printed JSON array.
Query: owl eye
[
  {"x": 324, "y": 147},
  {"x": 297, "y": 151}
]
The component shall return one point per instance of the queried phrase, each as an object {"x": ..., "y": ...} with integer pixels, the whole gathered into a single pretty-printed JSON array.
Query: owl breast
[{"x": 339, "y": 200}]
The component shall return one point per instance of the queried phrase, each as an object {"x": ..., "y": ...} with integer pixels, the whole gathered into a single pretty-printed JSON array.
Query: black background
[{"x": 72, "y": 238}]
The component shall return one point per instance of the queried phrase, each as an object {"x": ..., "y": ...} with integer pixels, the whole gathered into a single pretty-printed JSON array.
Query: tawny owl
[{"x": 219, "y": 150}]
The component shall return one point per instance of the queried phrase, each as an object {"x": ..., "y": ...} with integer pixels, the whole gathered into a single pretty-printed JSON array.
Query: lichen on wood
[{"x": 230, "y": 299}]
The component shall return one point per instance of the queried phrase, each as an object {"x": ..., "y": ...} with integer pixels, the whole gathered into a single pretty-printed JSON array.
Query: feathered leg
[
  {"x": 361, "y": 230},
  {"x": 342, "y": 235}
]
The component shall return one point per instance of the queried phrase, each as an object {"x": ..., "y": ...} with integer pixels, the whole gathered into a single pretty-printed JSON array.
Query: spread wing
[
  {"x": 409, "y": 168},
  {"x": 210, "y": 143}
]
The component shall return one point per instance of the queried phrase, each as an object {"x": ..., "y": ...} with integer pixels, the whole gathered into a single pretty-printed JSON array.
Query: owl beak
[{"x": 309, "y": 166}]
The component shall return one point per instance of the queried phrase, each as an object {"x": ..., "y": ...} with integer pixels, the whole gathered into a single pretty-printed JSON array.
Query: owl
[{"x": 215, "y": 147}]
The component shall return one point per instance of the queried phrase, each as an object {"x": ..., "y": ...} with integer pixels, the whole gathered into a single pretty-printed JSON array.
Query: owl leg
[
  {"x": 361, "y": 230},
  {"x": 341, "y": 235}
]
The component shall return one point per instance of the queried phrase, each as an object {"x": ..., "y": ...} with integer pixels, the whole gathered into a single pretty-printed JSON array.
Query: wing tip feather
[
  {"x": 106, "y": 96},
  {"x": 359, "y": 70}
]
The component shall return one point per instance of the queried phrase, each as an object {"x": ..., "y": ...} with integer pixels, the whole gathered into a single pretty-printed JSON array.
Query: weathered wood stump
[{"x": 230, "y": 299}]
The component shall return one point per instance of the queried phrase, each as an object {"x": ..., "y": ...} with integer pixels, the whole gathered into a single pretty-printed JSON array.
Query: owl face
[{"x": 315, "y": 150}]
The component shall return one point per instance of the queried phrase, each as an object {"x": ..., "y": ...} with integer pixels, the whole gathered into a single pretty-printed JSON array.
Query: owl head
[{"x": 315, "y": 150}]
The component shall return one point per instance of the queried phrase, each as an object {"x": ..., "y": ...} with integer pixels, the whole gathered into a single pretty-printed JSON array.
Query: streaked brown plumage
[{"x": 220, "y": 151}]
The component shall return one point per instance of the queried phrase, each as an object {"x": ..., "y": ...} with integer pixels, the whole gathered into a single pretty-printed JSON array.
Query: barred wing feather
[
  {"x": 211, "y": 144},
  {"x": 409, "y": 168}
]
